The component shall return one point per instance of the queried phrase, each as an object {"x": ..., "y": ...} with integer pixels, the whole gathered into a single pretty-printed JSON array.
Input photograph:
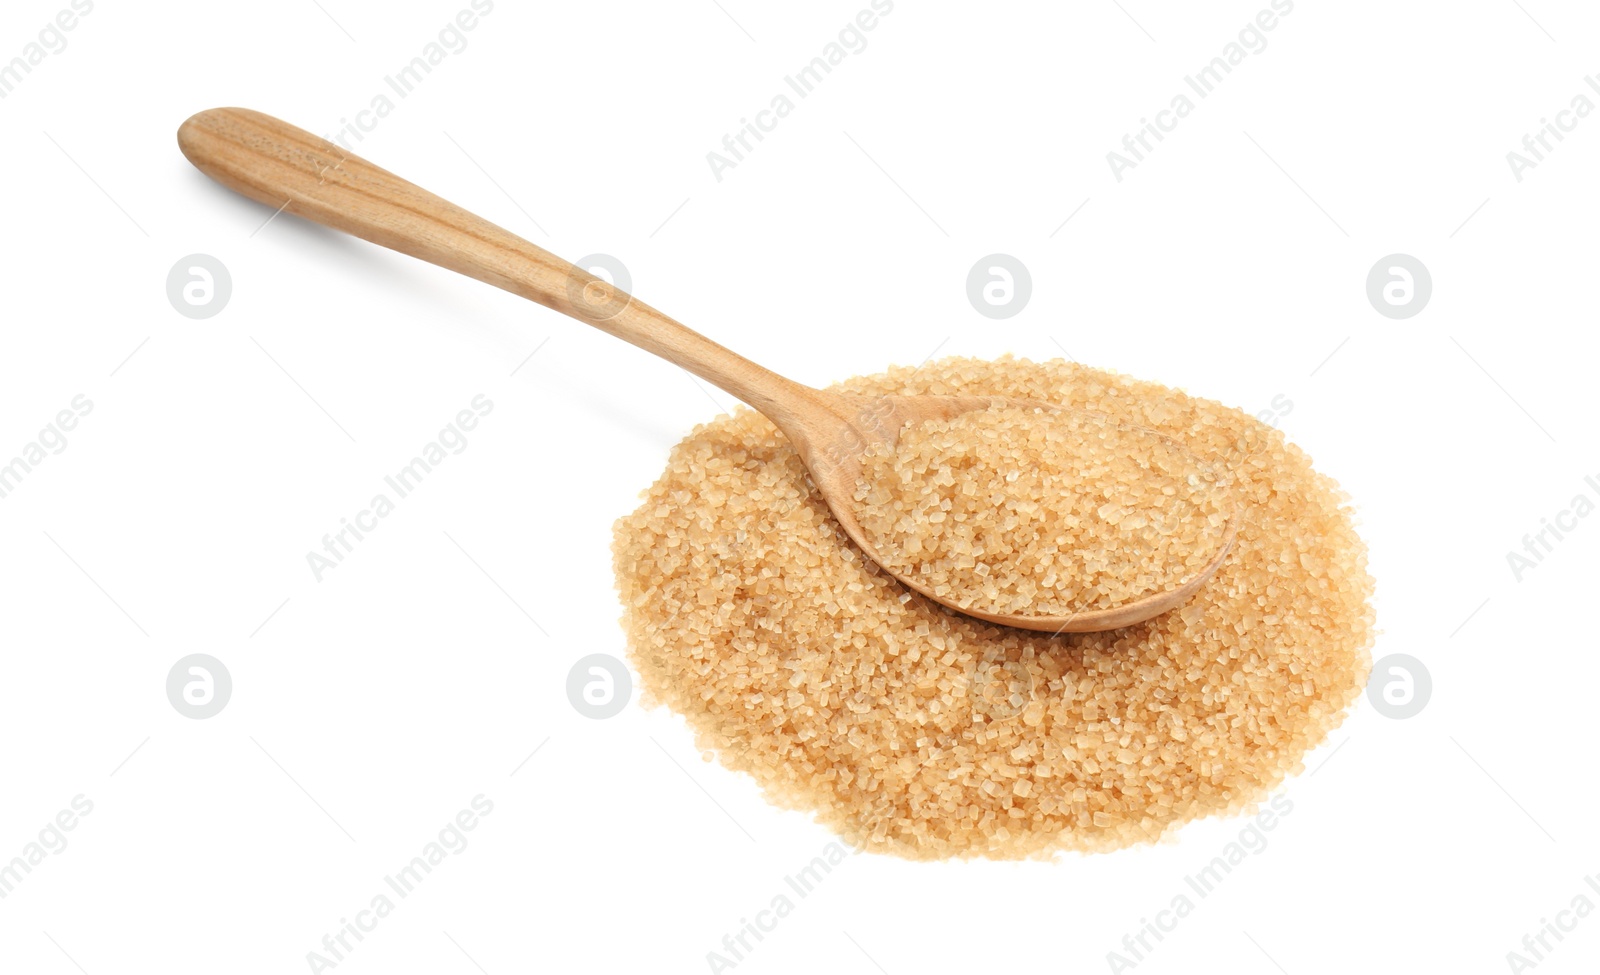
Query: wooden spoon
[{"x": 289, "y": 169}]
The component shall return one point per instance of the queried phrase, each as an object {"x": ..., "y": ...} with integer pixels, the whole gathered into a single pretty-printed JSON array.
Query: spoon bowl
[
  {"x": 835, "y": 466},
  {"x": 293, "y": 171}
]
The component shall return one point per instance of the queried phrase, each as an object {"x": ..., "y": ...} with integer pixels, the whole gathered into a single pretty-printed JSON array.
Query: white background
[{"x": 370, "y": 707}]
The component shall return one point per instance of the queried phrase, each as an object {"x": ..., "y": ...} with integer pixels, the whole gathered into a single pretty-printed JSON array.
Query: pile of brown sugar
[
  {"x": 1030, "y": 512},
  {"x": 916, "y": 731}
]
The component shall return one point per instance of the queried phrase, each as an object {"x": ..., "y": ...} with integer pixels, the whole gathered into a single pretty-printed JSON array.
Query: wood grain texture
[{"x": 279, "y": 165}]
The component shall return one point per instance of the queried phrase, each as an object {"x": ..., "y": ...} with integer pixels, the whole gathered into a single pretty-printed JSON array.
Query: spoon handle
[{"x": 277, "y": 164}]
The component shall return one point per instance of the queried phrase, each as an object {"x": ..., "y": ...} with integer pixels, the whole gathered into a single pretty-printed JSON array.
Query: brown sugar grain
[
  {"x": 913, "y": 730},
  {"x": 1031, "y": 512}
]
